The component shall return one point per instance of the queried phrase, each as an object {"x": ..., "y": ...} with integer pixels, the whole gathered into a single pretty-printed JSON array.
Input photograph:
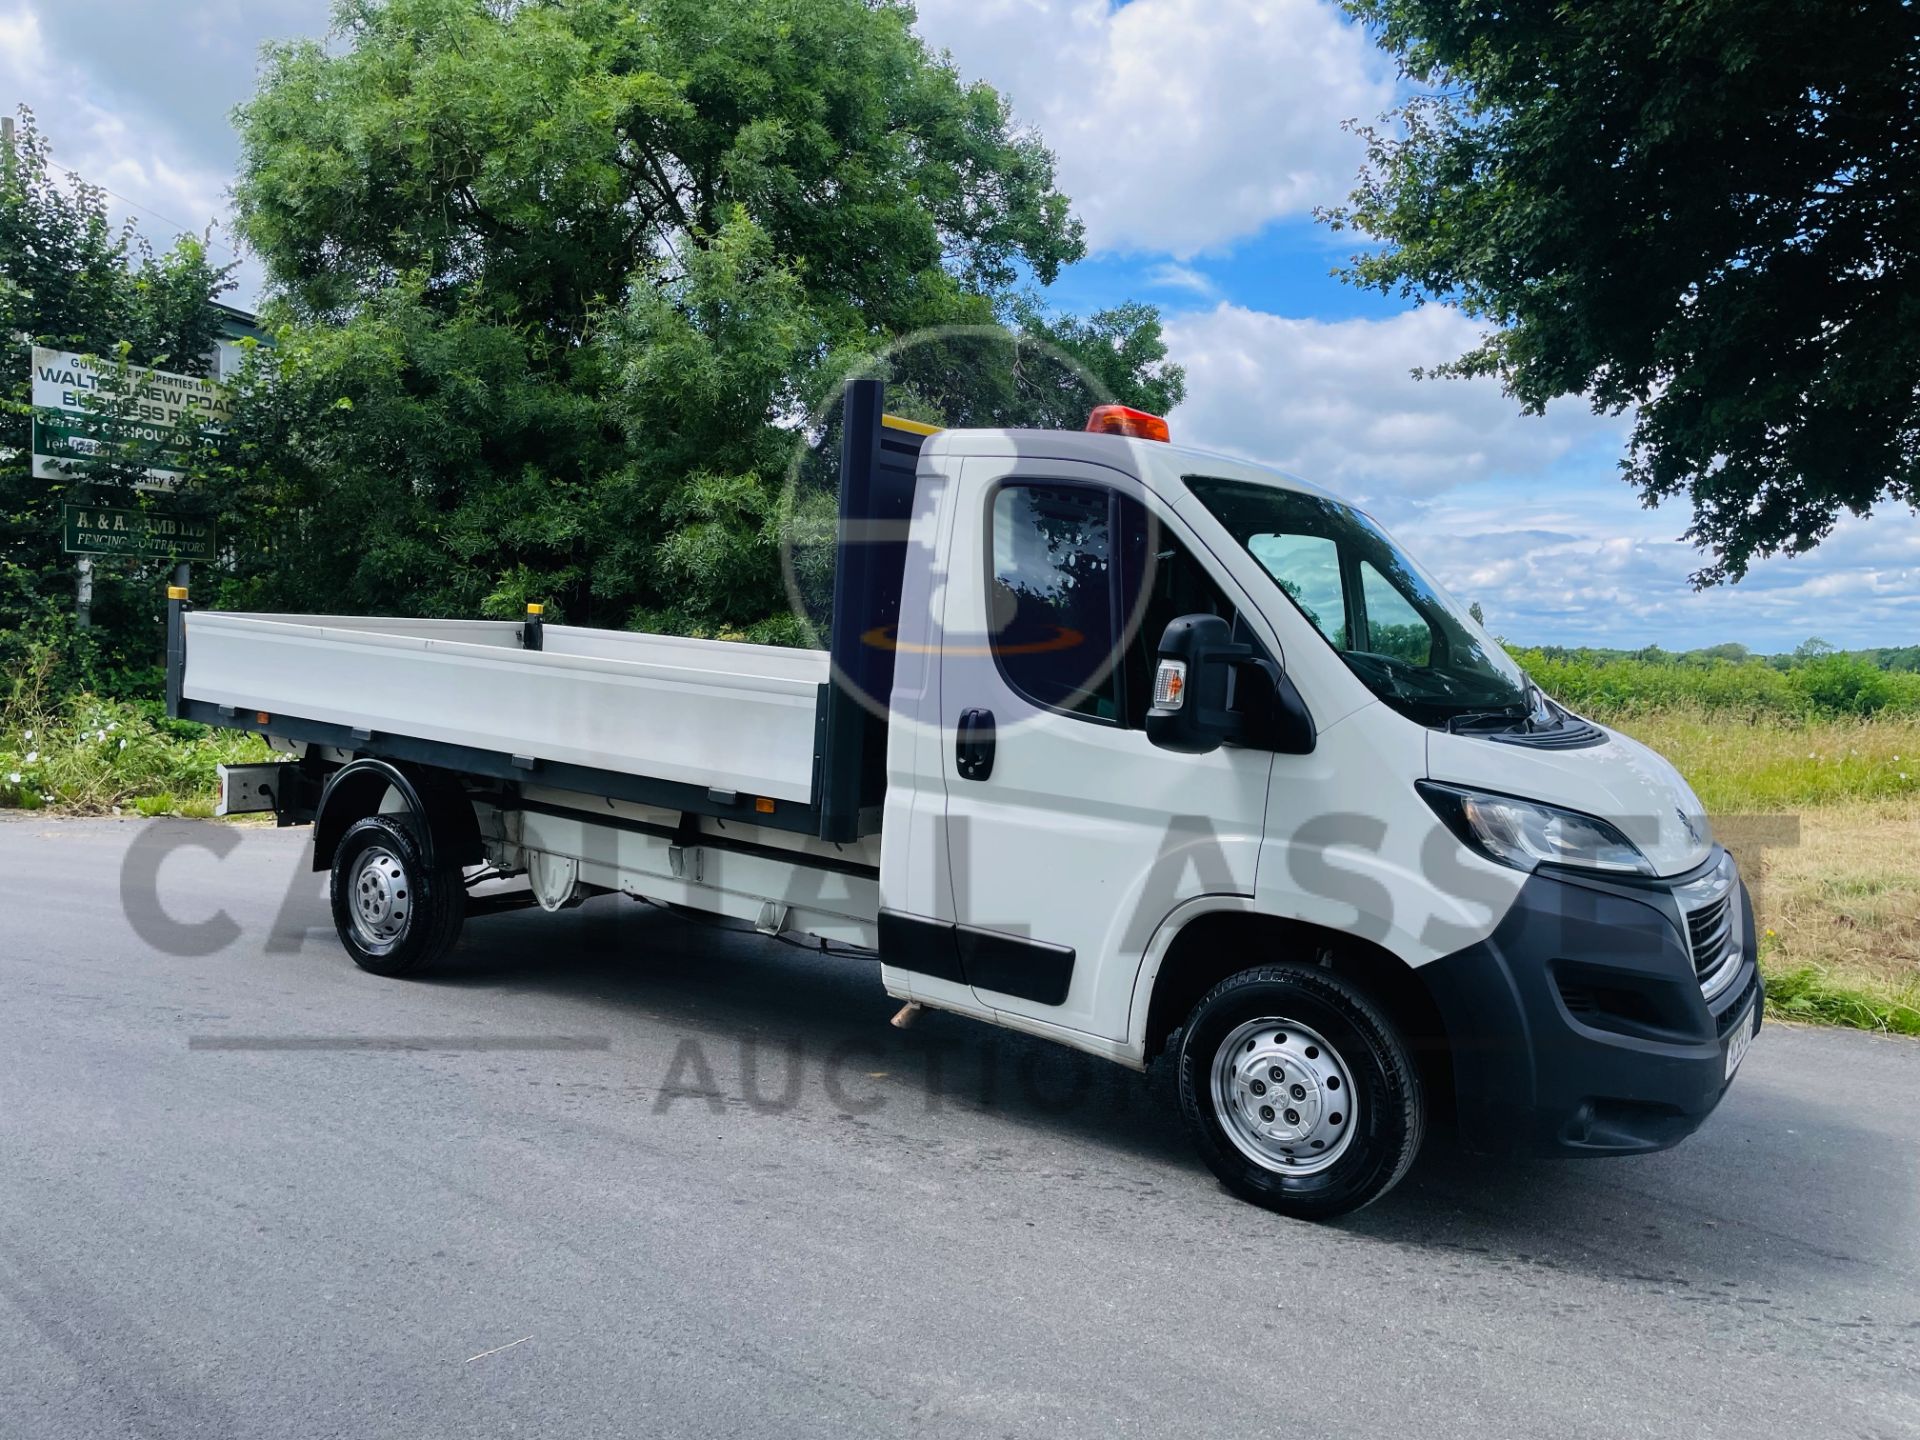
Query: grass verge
[{"x": 89, "y": 756}]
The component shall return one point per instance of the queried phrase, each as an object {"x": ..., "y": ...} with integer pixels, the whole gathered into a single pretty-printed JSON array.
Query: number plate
[{"x": 1742, "y": 1037}]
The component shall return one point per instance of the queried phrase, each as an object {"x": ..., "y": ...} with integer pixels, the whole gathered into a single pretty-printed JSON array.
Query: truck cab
[
  {"x": 1139, "y": 748},
  {"x": 1534, "y": 902}
]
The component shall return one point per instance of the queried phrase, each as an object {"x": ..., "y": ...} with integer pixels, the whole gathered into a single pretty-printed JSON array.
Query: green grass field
[
  {"x": 1833, "y": 757},
  {"x": 1825, "y": 817},
  {"x": 1738, "y": 765}
]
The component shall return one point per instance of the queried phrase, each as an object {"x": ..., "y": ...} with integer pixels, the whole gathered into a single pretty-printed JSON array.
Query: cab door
[{"x": 1069, "y": 837}]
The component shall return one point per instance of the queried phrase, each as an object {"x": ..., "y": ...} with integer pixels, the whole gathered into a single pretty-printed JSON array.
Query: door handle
[{"x": 973, "y": 745}]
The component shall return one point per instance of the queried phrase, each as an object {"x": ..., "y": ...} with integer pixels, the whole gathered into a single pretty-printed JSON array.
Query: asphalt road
[{"x": 246, "y": 1190}]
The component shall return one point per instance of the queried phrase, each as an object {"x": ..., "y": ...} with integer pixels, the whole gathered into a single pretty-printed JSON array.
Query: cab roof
[{"x": 1147, "y": 459}]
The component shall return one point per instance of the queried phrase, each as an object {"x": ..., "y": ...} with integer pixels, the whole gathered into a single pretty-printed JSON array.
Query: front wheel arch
[{"x": 1214, "y": 945}]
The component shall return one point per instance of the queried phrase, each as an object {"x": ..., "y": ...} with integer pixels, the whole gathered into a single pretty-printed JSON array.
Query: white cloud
[
  {"x": 1614, "y": 574},
  {"x": 1180, "y": 125},
  {"x": 1335, "y": 402},
  {"x": 138, "y": 102},
  {"x": 1174, "y": 276},
  {"x": 1525, "y": 514}
]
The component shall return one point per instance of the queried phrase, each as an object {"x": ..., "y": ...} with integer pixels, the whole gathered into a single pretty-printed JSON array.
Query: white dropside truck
[{"x": 1134, "y": 747}]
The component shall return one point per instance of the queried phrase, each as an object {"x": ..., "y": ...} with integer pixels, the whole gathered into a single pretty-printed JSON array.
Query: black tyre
[
  {"x": 394, "y": 913},
  {"x": 1298, "y": 1092}
]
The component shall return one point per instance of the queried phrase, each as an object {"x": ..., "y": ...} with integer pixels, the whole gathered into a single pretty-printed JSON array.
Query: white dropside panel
[
  {"x": 760, "y": 887},
  {"x": 705, "y": 712}
]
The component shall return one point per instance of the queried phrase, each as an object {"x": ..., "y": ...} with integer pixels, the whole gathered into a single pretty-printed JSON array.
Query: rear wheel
[
  {"x": 394, "y": 913},
  {"x": 1298, "y": 1093}
]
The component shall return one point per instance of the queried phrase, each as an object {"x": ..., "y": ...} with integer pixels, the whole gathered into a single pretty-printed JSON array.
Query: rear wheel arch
[{"x": 433, "y": 802}]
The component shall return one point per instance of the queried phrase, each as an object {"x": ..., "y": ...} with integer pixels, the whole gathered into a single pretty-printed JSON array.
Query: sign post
[
  {"x": 114, "y": 530},
  {"x": 151, "y": 419},
  {"x": 83, "y": 411}
]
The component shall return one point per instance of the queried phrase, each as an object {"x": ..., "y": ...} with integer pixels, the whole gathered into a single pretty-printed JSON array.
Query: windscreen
[{"x": 1398, "y": 631}]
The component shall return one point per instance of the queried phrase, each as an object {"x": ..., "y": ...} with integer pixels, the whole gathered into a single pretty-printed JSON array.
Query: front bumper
[{"x": 1579, "y": 1026}]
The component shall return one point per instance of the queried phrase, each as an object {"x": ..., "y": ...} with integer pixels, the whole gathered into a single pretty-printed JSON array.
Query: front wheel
[
  {"x": 1298, "y": 1093},
  {"x": 394, "y": 913}
]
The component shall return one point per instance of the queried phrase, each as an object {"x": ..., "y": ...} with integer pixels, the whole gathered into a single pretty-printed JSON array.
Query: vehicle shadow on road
[
  {"x": 1742, "y": 1205},
  {"x": 754, "y": 1007},
  {"x": 1716, "y": 1214}
]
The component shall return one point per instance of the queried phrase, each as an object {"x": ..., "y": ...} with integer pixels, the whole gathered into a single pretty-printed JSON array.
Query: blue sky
[
  {"x": 1195, "y": 137},
  {"x": 1285, "y": 268}
]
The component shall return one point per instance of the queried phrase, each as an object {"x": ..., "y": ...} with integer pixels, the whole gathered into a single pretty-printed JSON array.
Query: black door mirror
[{"x": 1193, "y": 686}]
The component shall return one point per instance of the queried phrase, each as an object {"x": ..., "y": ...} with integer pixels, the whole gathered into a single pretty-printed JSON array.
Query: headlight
[{"x": 1525, "y": 833}]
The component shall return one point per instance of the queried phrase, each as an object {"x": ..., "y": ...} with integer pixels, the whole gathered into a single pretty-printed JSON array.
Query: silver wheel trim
[
  {"x": 1298, "y": 1124},
  {"x": 380, "y": 900}
]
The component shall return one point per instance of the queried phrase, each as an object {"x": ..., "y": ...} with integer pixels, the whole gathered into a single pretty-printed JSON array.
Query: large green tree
[
  {"x": 1706, "y": 212},
  {"x": 71, "y": 279},
  {"x": 556, "y": 280}
]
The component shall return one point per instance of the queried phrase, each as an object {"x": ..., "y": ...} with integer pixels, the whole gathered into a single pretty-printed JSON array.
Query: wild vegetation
[
  {"x": 1815, "y": 682},
  {"x": 80, "y": 752},
  {"x": 1840, "y": 914},
  {"x": 551, "y": 289},
  {"x": 72, "y": 280}
]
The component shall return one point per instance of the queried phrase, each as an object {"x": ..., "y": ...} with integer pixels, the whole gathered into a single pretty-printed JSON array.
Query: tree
[
  {"x": 554, "y": 282},
  {"x": 72, "y": 280},
  {"x": 1708, "y": 213},
  {"x": 1731, "y": 653}
]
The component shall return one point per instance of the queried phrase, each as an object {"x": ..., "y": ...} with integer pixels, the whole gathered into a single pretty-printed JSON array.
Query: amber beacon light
[{"x": 1125, "y": 420}]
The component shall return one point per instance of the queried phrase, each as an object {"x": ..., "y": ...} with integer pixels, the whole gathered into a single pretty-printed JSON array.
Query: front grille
[
  {"x": 1713, "y": 935},
  {"x": 1708, "y": 930}
]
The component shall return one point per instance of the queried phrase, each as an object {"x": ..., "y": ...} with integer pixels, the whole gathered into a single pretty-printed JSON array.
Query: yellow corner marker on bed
[{"x": 912, "y": 427}]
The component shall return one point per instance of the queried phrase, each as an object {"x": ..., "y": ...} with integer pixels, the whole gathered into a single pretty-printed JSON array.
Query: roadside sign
[
  {"x": 109, "y": 530},
  {"x": 80, "y": 406}
]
